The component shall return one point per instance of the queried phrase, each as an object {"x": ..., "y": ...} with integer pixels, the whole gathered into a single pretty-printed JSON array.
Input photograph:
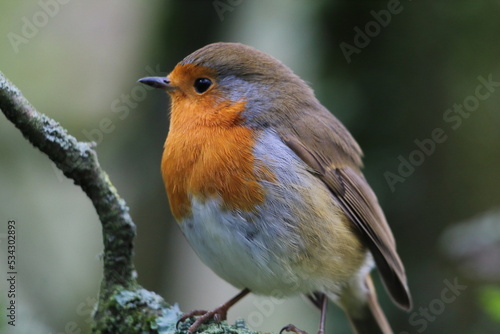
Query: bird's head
[{"x": 223, "y": 83}]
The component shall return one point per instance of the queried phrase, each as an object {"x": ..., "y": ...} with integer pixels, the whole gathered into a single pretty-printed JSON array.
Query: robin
[{"x": 265, "y": 184}]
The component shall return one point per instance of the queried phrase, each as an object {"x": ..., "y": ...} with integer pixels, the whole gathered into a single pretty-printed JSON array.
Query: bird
[{"x": 267, "y": 188}]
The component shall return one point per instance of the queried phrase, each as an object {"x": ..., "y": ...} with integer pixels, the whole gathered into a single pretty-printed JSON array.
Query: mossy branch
[
  {"x": 78, "y": 161},
  {"x": 124, "y": 306}
]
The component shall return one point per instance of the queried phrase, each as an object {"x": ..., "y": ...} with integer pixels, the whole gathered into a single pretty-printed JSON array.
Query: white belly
[
  {"x": 264, "y": 250},
  {"x": 241, "y": 253}
]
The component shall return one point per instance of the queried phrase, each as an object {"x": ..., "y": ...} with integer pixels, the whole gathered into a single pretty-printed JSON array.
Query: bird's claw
[
  {"x": 188, "y": 315},
  {"x": 217, "y": 315},
  {"x": 292, "y": 328}
]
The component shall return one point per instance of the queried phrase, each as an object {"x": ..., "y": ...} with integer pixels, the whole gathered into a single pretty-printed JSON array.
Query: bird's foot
[
  {"x": 217, "y": 315},
  {"x": 292, "y": 328}
]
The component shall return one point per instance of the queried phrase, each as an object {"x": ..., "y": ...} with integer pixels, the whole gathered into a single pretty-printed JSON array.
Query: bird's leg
[
  {"x": 324, "y": 302},
  {"x": 219, "y": 314},
  {"x": 292, "y": 328},
  {"x": 316, "y": 299},
  {"x": 321, "y": 301}
]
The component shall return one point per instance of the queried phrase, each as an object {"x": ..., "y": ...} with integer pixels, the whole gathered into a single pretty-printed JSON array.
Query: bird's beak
[{"x": 157, "y": 82}]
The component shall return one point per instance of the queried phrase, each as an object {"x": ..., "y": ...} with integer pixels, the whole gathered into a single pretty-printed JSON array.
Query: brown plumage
[{"x": 266, "y": 185}]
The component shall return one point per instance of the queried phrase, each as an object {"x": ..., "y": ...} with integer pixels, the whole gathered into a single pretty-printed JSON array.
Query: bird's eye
[{"x": 202, "y": 84}]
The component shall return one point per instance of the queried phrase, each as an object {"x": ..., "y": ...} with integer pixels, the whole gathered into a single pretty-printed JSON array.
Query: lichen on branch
[
  {"x": 78, "y": 161},
  {"x": 123, "y": 306}
]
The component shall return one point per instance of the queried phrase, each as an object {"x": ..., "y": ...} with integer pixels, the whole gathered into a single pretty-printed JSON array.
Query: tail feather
[{"x": 369, "y": 318}]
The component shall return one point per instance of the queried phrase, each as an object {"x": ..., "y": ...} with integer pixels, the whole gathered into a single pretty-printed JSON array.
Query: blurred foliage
[
  {"x": 83, "y": 62},
  {"x": 490, "y": 299},
  {"x": 474, "y": 246}
]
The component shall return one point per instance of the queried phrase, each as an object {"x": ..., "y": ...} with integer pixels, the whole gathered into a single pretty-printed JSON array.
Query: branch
[
  {"x": 78, "y": 161},
  {"x": 123, "y": 306}
]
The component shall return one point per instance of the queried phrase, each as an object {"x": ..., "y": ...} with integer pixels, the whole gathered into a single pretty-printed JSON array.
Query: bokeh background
[{"x": 78, "y": 61}]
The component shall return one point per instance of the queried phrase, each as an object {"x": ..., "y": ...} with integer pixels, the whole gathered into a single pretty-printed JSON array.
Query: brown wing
[{"x": 321, "y": 141}]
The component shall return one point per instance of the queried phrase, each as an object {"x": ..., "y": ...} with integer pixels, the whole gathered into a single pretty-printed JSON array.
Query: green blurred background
[{"x": 78, "y": 62}]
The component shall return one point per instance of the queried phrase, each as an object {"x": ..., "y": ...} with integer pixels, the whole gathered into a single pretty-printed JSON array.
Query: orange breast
[{"x": 209, "y": 154}]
